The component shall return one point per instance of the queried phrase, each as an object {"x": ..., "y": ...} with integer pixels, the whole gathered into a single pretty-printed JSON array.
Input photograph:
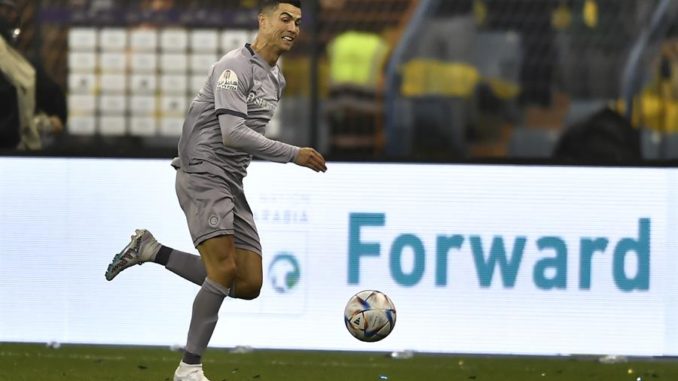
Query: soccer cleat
[
  {"x": 188, "y": 372},
  {"x": 142, "y": 248}
]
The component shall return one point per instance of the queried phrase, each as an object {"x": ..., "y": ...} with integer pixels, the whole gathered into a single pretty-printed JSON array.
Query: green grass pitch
[{"x": 34, "y": 362}]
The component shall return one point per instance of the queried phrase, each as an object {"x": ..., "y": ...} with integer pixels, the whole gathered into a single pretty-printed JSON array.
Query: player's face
[{"x": 280, "y": 26}]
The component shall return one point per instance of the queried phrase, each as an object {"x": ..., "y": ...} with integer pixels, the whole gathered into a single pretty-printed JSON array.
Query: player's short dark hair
[{"x": 265, "y": 4}]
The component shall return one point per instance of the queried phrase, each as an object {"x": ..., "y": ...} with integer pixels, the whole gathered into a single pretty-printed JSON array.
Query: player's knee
[
  {"x": 250, "y": 294},
  {"x": 247, "y": 290}
]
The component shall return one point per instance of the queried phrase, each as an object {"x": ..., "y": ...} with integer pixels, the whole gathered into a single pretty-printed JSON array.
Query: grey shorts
[{"x": 215, "y": 205}]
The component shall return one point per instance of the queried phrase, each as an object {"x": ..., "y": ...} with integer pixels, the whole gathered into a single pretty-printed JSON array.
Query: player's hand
[{"x": 310, "y": 158}]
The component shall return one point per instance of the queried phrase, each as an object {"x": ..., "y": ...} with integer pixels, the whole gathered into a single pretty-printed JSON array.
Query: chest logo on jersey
[{"x": 228, "y": 80}]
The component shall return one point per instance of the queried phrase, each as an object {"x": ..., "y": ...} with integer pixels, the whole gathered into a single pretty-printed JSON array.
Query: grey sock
[
  {"x": 191, "y": 358},
  {"x": 205, "y": 315},
  {"x": 187, "y": 266}
]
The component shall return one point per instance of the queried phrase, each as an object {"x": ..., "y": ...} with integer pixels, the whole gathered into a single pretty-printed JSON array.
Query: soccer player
[{"x": 223, "y": 129}]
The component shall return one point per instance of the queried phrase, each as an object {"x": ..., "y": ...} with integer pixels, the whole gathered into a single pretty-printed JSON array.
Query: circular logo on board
[{"x": 284, "y": 272}]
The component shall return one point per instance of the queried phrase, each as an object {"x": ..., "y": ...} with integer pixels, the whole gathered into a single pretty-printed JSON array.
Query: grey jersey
[{"x": 240, "y": 86}]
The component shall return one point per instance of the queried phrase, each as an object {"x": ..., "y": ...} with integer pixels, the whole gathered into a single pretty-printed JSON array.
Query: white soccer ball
[{"x": 370, "y": 315}]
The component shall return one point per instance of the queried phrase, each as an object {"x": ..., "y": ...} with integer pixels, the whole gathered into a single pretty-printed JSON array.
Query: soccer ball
[{"x": 370, "y": 315}]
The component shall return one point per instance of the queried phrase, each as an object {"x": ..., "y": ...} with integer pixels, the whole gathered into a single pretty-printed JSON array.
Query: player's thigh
[
  {"x": 249, "y": 266},
  {"x": 248, "y": 248},
  {"x": 220, "y": 258},
  {"x": 249, "y": 274}
]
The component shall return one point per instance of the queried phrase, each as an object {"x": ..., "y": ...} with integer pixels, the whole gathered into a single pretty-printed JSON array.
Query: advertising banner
[{"x": 541, "y": 260}]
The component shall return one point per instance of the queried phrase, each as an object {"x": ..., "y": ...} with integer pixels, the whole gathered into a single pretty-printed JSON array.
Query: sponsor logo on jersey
[
  {"x": 228, "y": 80},
  {"x": 261, "y": 103}
]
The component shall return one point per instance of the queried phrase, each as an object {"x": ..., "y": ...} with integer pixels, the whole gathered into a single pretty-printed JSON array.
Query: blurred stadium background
[{"x": 370, "y": 80}]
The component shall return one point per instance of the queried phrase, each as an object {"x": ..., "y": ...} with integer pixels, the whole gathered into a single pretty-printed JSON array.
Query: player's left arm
[
  {"x": 232, "y": 81},
  {"x": 237, "y": 135}
]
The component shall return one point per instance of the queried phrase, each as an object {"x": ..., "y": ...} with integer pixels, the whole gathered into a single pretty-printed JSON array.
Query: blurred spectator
[
  {"x": 353, "y": 109},
  {"x": 356, "y": 60},
  {"x": 455, "y": 8},
  {"x": 599, "y": 39},
  {"x": 32, "y": 104},
  {"x": 332, "y": 4},
  {"x": 656, "y": 107},
  {"x": 605, "y": 137},
  {"x": 532, "y": 20}
]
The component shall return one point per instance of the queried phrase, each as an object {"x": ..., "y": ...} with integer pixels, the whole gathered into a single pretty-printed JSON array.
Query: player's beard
[
  {"x": 285, "y": 45},
  {"x": 282, "y": 45}
]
